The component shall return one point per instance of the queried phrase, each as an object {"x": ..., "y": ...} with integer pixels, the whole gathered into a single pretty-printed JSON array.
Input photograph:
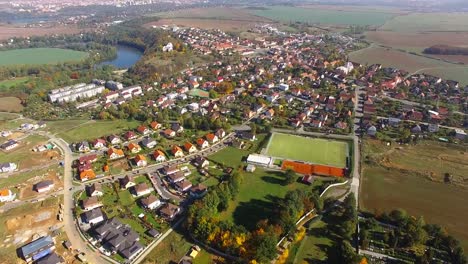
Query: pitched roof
[{"x": 175, "y": 149}]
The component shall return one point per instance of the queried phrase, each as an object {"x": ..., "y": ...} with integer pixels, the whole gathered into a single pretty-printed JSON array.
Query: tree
[
  {"x": 265, "y": 246},
  {"x": 290, "y": 176},
  {"x": 364, "y": 238},
  {"x": 347, "y": 254},
  {"x": 213, "y": 94}
]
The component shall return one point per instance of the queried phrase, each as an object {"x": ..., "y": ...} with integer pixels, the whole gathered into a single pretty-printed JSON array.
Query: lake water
[{"x": 126, "y": 57}]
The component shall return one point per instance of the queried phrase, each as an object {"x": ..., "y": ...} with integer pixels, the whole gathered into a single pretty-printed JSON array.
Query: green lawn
[
  {"x": 7, "y": 84},
  {"x": 314, "y": 150},
  {"x": 94, "y": 129},
  {"x": 324, "y": 16},
  {"x": 23, "y": 152},
  {"x": 258, "y": 196},
  {"x": 313, "y": 247},
  {"x": 230, "y": 156},
  {"x": 39, "y": 56}
]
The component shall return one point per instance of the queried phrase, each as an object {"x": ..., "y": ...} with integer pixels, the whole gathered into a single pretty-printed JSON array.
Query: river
[{"x": 126, "y": 57}]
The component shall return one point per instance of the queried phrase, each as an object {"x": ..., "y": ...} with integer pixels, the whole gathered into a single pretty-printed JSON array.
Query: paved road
[{"x": 92, "y": 256}]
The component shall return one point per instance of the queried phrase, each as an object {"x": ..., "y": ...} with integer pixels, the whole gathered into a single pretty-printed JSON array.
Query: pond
[{"x": 126, "y": 57}]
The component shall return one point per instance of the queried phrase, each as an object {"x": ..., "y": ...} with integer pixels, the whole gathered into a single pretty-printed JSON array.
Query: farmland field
[
  {"x": 224, "y": 18},
  {"x": 417, "y": 173},
  {"x": 430, "y": 22},
  {"x": 7, "y": 84},
  {"x": 324, "y": 15},
  {"x": 390, "y": 57},
  {"x": 10, "y": 31},
  {"x": 314, "y": 150},
  {"x": 39, "y": 56},
  {"x": 10, "y": 104}
]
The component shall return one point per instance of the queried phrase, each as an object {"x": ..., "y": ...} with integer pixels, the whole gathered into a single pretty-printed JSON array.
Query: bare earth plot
[
  {"x": 411, "y": 178},
  {"x": 10, "y": 104},
  {"x": 9, "y": 31}
]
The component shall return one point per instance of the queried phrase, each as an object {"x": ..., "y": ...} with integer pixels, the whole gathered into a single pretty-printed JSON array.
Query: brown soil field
[
  {"x": 10, "y": 104},
  {"x": 356, "y": 8},
  {"x": 9, "y": 31},
  {"x": 27, "y": 191},
  {"x": 419, "y": 40},
  {"x": 224, "y": 18},
  {"x": 411, "y": 178},
  {"x": 225, "y": 25}
]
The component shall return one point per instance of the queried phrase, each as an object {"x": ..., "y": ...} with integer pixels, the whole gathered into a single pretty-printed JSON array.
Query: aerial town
[{"x": 279, "y": 148}]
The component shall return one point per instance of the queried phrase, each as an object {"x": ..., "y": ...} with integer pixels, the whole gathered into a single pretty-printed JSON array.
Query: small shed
[{"x": 250, "y": 168}]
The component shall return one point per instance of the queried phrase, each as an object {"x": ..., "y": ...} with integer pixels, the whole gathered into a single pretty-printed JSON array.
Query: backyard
[
  {"x": 92, "y": 129},
  {"x": 314, "y": 150}
]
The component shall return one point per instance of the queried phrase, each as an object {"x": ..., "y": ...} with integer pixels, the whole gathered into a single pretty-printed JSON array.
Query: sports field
[
  {"x": 314, "y": 150},
  {"x": 39, "y": 56}
]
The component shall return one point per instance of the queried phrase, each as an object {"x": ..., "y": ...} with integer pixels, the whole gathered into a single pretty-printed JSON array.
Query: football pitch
[{"x": 313, "y": 150}]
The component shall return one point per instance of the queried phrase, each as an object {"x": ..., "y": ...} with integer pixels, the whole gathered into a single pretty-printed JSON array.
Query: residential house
[
  {"x": 150, "y": 202},
  {"x": 87, "y": 175},
  {"x": 198, "y": 191},
  {"x": 9, "y": 145},
  {"x": 134, "y": 148},
  {"x": 83, "y": 146},
  {"x": 126, "y": 182},
  {"x": 119, "y": 238},
  {"x": 169, "y": 211},
  {"x": 183, "y": 186},
  {"x": 140, "y": 160},
  {"x": 176, "y": 177},
  {"x": 148, "y": 142},
  {"x": 44, "y": 186},
  {"x": 372, "y": 131},
  {"x": 93, "y": 217},
  {"x": 220, "y": 133},
  {"x": 52, "y": 258},
  {"x": 460, "y": 134},
  {"x": 212, "y": 138},
  {"x": 141, "y": 189},
  {"x": 99, "y": 143},
  {"x": 201, "y": 162},
  {"x": 90, "y": 203},
  {"x": 177, "y": 151},
  {"x": 155, "y": 125},
  {"x": 7, "y": 195},
  {"x": 159, "y": 156},
  {"x": 8, "y": 167},
  {"x": 37, "y": 248},
  {"x": 114, "y": 139},
  {"x": 316, "y": 123},
  {"x": 202, "y": 143},
  {"x": 115, "y": 153},
  {"x": 433, "y": 128},
  {"x": 189, "y": 147},
  {"x": 416, "y": 129},
  {"x": 341, "y": 125},
  {"x": 88, "y": 159},
  {"x": 177, "y": 128},
  {"x": 130, "y": 135},
  {"x": 168, "y": 170},
  {"x": 248, "y": 136},
  {"x": 169, "y": 133},
  {"x": 94, "y": 189},
  {"x": 143, "y": 130}
]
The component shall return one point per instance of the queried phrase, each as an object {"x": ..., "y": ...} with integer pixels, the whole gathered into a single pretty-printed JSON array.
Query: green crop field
[
  {"x": 324, "y": 16},
  {"x": 430, "y": 22},
  {"x": 39, "y": 56},
  {"x": 314, "y": 150}
]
